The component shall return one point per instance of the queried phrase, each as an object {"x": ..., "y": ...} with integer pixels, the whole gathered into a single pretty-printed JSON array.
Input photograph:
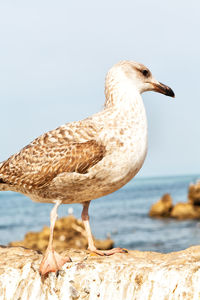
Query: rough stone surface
[
  {"x": 135, "y": 276},
  {"x": 162, "y": 208},
  {"x": 68, "y": 233}
]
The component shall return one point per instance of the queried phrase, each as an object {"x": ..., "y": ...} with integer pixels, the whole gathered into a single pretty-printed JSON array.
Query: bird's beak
[{"x": 162, "y": 88}]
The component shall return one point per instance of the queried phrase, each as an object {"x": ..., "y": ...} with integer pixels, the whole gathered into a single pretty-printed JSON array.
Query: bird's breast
[{"x": 126, "y": 147}]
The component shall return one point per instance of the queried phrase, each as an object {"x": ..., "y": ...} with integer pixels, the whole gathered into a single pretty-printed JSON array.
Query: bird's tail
[{"x": 4, "y": 187}]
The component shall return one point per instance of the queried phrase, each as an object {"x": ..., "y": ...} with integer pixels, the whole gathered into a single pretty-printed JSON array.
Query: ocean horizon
[{"x": 122, "y": 215}]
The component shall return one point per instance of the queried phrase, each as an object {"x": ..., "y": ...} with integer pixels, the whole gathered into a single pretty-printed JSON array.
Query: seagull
[{"x": 85, "y": 160}]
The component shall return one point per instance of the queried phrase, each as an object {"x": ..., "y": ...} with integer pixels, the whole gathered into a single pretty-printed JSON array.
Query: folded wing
[{"x": 50, "y": 155}]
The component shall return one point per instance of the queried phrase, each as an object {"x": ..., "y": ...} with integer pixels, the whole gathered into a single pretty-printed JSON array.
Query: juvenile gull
[{"x": 81, "y": 161}]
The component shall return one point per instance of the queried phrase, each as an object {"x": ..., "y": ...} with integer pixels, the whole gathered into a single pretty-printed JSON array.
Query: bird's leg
[
  {"x": 52, "y": 261},
  {"x": 91, "y": 246}
]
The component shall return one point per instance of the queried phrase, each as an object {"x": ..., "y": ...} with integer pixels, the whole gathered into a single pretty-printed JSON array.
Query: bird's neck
[
  {"x": 122, "y": 95},
  {"x": 125, "y": 104}
]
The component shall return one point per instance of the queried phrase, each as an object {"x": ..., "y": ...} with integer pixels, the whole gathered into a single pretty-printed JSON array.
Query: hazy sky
[{"x": 54, "y": 56}]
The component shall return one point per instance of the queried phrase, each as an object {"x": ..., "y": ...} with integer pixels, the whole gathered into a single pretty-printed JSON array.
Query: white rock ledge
[{"x": 136, "y": 275}]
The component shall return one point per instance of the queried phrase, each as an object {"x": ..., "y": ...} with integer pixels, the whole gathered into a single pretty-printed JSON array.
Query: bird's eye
[{"x": 145, "y": 73}]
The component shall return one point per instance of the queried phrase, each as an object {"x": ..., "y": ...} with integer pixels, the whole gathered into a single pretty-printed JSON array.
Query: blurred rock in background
[
  {"x": 69, "y": 232},
  {"x": 194, "y": 193},
  {"x": 182, "y": 211},
  {"x": 162, "y": 208}
]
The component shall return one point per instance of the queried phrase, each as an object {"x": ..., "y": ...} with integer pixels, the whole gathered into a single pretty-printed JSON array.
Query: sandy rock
[
  {"x": 162, "y": 208},
  {"x": 68, "y": 233},
  {"x": 185, "y": 211},
  {"x": 194, "y": 193},
  {"x": 133, "y": 276}
]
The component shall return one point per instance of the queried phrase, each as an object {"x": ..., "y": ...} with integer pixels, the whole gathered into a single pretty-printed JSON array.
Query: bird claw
[
  {"x": 108, "y": 252},
  {"x": 52, "y": 262},
  {"x": 125, "y": 250}
]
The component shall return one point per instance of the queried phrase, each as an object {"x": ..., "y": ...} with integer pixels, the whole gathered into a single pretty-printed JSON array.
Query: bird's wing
[{"x": 69, "y": 148}]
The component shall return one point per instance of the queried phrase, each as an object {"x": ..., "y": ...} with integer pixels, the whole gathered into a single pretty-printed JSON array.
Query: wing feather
[{"x": 53, "y": 153}]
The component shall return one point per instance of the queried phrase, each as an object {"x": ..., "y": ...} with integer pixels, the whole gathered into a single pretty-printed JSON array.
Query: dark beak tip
[
  {"x": 171, "y": 93},
  {"x": 164, "y": 89}
]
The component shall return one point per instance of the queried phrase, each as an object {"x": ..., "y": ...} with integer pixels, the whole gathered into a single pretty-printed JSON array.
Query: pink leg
[
  {"x": 52, "y": 261},
  {"x": 91, "y": 246}
]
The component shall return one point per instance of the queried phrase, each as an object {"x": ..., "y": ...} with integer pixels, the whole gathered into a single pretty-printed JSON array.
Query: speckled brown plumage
[
  {"x": 75, "y": 157},
  {"x": 48, "y": 156}
]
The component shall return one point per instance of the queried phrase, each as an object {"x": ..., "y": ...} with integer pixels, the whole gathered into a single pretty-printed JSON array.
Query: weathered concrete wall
[{"x": 136, "y": 275}]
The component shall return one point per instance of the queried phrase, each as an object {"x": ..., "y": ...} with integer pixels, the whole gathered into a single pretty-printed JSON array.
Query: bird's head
[{"x": 140, "y": 77}]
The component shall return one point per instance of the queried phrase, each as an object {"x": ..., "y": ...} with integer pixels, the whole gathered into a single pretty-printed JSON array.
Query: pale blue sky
[{"x": 54, "y": 56}]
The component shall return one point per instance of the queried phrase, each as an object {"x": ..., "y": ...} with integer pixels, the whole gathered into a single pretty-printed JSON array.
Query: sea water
[{"x": 122, "y": 215}]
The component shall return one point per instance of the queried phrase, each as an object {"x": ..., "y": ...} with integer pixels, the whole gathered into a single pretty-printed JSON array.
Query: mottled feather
[{"x": 51, "y": 154}]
